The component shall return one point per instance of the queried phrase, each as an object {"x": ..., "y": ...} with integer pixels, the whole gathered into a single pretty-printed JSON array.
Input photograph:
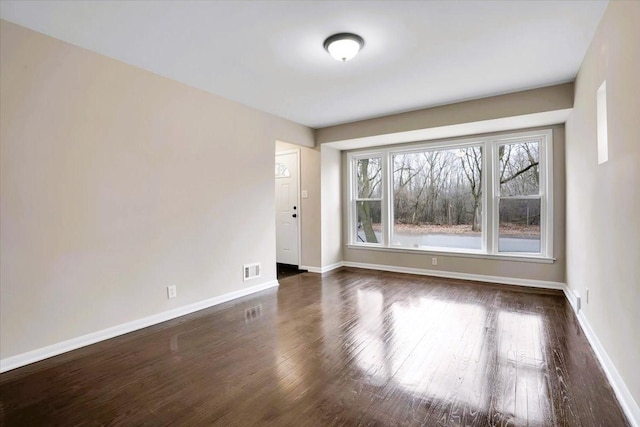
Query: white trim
[
  {"x": 299, "y": 204},
  {"x": 448, "y": 252},
  {"x": 298, "y": 154},
  {"x": 573, "y": 298},
  {"x": 332, "y": 267},
  {"x": 320, "y": 270},
  {"x": 545, "y": 192},
  {"x": 354, "y": 199},
  {"x": 42, "y": 353},
  {"x": 626, "y": 400},
  {"x": 463, "y": 276},
  {"x": 490, "y": 187}
]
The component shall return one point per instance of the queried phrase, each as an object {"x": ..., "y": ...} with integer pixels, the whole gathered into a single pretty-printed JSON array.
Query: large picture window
[
  {"x": 483, "y": 196},
  {"x": 437, "y": 198}
]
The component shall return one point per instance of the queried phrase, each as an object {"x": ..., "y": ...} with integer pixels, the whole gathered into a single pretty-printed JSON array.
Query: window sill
[{"x": 502, "y": 257}]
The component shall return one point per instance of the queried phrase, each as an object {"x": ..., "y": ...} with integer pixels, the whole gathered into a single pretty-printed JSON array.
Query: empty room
[{"x": 320, "y": 213}]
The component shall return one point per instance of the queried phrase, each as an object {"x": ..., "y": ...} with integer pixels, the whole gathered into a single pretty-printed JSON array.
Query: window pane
[
  {"x": 437, "y": 198},
  {"x": 519, "y": 168},
  {"x": 369, "y": 176},
  {"x": 519, "y": 229},
  {"x": 369, "y": 222},
  {"x": 282, "y": 171}
]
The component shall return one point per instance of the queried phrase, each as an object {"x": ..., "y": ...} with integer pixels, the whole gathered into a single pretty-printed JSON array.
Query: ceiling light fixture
[{"x": 344, "y": 46}]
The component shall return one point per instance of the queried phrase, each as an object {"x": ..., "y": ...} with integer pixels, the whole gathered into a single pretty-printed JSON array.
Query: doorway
[{"x": 287, "y": 172}]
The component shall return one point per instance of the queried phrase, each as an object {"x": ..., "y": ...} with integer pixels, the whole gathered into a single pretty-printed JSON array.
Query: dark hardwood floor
[{"x": 352, "y": 347}]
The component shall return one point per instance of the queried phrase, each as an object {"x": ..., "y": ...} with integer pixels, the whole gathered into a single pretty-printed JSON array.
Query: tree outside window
[{"x": 434, "y": 197}]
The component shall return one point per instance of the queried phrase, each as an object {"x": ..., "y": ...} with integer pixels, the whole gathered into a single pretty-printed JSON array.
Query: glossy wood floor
[{"x": 354, "y": 347}]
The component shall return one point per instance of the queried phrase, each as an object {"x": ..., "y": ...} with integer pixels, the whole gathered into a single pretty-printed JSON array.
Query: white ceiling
[{"x": 269, "y": 54}]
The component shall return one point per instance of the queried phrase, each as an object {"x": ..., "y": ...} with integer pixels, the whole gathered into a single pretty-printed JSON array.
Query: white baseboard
[
  {"x": 39, "y": 354},
  {"x": 626, "y": 400},
  {"x": 573, "y": 299},
  {"x": 310, "y": 269},
  {"x": 320, "y": 270},
  {"x": 462, "y": 276}
]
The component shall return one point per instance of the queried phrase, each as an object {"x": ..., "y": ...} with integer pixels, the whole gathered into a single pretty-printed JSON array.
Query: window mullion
[
  {"x": 353, "y": 188},
  {"x": 489, "y": 198},
  {"x": 387, "y": 195},
  {"x": 547, "y": 200},
  {"x": 527, "y": 197}
]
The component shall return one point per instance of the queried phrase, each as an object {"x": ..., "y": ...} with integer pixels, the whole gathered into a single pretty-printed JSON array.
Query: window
[
  {"x": 487, "y": 196},
  {"x": 368, "y": 199},
  {"x": 437, "y": 198},
  {"x": 282, "y": 171},
  {"x": 601, "y": 123},
  {"x": 519, "y": 197}
]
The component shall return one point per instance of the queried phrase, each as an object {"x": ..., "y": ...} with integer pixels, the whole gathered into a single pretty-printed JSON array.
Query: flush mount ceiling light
[{"x": 344, "y": 46}]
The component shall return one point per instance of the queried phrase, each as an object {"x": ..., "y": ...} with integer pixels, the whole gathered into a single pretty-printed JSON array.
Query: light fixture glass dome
[{"x": 343, "y": 46}]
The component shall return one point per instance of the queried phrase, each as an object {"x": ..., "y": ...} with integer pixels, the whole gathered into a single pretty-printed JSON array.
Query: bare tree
[
  {"x": 519, "y": 176},
  {"x": 369, "y": 183},
  {"x": 471, "y": 160},
  {"x": 444, "y": 186},
  {"x": 519, "y": 165}
]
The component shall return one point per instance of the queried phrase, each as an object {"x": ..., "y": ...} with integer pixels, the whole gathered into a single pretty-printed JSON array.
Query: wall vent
[{"x": 251, "y": 271}]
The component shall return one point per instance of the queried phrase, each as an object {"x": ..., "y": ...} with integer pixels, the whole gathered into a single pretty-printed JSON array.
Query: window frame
[
  {"x": 490, "y": 194},
  {"x": 354, "y": 199},
  {"x": 545, "y": 191}
]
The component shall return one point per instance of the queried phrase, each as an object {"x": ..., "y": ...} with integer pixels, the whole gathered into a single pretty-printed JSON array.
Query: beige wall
[
  {"x": 331, "y": 206},
  {"x": 546, "y": 99},
  {"x": 554, "y": 272},
  {"x": 115, "y": 183},
  {"x": 321, "y": 212},
  {"x": 310, "y": 240},
  {"x": 603, "y": 201}
]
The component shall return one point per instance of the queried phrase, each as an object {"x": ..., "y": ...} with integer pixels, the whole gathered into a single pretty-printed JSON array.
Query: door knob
[{"x": 294, "y": 215}]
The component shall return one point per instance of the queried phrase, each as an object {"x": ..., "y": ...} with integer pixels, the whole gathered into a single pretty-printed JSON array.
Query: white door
[{"x": 287, "y": 210}]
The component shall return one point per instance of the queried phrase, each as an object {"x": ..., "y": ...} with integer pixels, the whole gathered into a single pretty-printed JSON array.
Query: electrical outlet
[
  {"x": 587, "y": 295},
  {"x": 172, "y": 291},
  {"x": 434, "y": 261}
]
